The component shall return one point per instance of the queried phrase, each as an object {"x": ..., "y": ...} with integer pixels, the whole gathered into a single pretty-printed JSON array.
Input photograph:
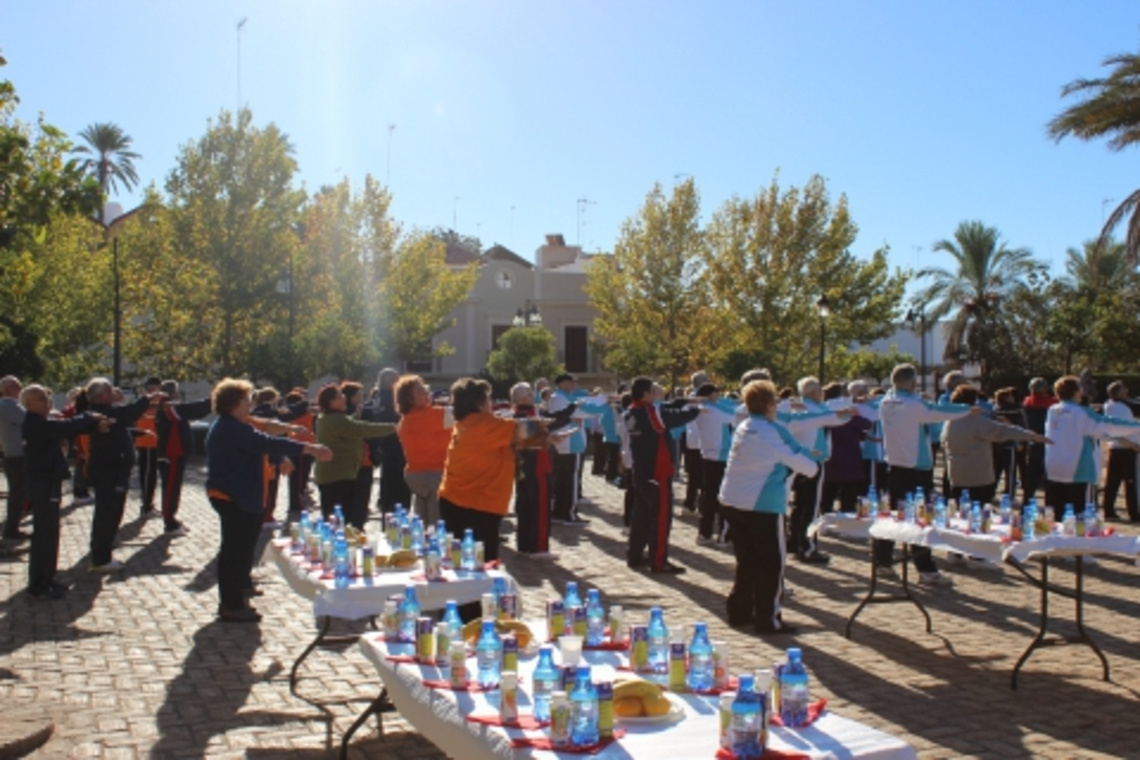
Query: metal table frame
[{"x": 905, "y": 596}]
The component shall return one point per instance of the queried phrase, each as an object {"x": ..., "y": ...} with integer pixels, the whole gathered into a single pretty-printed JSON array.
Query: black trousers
[
  {"x": 694, "y": 478},
  {"x": 148, "y": 476},
  {"x": 1121, "y": 469},
  {"x": 712, "y": 473},
  {"x": 613, "y": 461},
  {"x": 240, "y": 531},
  {"x": 598, "y": 445},
  {"x": 904, "y": 480},
  {"x": 298, "y": 482},
  {"x": 982, "y": 494},
  {"x": 627, "y": 502},
  {"x": 1034, "y": 471},
  {"x": 361, "y": 497},
  {"x": 44, "y": 555},
  {"x": 806, "y": 494},
  {"x": 758, "y": 543},
  {"x": 876, "y": 474},
  {"x": 15, "y": 473},
  {"x": 651, "y": 522},
  {"x": 1057, "y": 495},
  {"x": 171, "y": 471},
  {"x": 340, "y": 492},
  {"x": 532, "y": 500},
  {"x": 565, "y": 485},
  {"x": 485, "y": 527},
  {"x": 847, "y": 493},
  {"x": 110, "y": 486},
  {"x": 393, "y": 489}
]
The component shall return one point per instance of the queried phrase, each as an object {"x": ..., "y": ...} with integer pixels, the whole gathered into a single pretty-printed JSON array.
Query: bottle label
[{"x": 605, "y": 709}]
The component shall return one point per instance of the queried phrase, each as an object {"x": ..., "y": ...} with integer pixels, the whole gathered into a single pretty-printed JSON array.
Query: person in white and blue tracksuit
[
  {"x": 570, "y": 449},
  {"x": 906, "y": 420},
  {"x": 754, "y": 496},
  {"x": 1075, "y": 431},
  {"x": 714, "y": 432}
]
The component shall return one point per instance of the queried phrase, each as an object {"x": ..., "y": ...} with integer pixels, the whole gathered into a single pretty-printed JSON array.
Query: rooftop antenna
[
  {"x": 240, "y": 26},
  {"x": 388, "y": 178},
  {"x": 582, "y": 203}
]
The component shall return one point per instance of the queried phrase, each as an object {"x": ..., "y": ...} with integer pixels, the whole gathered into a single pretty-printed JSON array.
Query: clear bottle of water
[
  {"x": 1092, "y": 520},
  {"x": 417, "y": 535},
  {"x": 939, "y": 513},
  {"x": 920, "y": 498},
  {"x": 964, "y": 503},
  {"x": 1004, "y": 508},
  {"x": 546, "y": 679},
  {"x": 658, "y": 636},
  {"x": 303, "y": 528},
  {"x": 976, "y": 518},
  {"x": 570, "y": 602},
  {"x": 583, "y": 710},
  {"x": 452, "y": 619},
  {"x": 794, "y": 690},
  {"x": 467, "y": 550},
  {"x": 747, "y": 715},
  {"x": 342, "y": 572},
  {"x": 873, "y": 501},
  {"x": 338, "y": 517},
  {"x": 1029, "y": 522},
  {"x": 700, "y": 676},
  {"x": 440, "y": 530},
  {"x": 409, "y": 612},
  {"x": 1069, "y": 521},
  {"x": 595, "y": 618},
  {"x": 489, "y": 654},
  {"x": 910, "y": 511}
]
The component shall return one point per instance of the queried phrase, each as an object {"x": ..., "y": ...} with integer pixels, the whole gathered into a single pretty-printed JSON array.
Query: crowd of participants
[{"x": 759, "y": 464}]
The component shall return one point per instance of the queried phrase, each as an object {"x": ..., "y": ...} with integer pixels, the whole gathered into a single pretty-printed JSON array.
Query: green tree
[
  {"x": 233, "y": 208},
  {"x": 654, "y": 314},
  {"x": 523, "y": 353},
  {"x": 771, "y": 257},
  {"x": 1110, "y": 108},
  {"x": 418, "y": 291},
  {"x": 111, "y": 160},
  {"x": 984, "y": 273},
  {"x": 1092, "y": 270}
]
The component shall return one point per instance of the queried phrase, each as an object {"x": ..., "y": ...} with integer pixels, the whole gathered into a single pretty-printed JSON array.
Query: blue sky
[{"x": 923, "y": 113}]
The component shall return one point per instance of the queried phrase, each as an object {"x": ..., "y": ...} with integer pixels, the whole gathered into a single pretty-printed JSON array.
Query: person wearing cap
[
  {"x": 175, "y": 445},
  {"x": 714, "y": 428},
  {"x": 648, "y": 428},
  {"x": 1036, "y": 406},
  {"x": 12, "y": 441},
  {"x": 146, "y": 447}
]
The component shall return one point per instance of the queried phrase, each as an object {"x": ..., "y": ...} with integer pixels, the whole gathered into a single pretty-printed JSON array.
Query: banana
[
  {"x": 629, "y": 707},
  {"x": 403, "y": 558},
  {"x": 649, "y": 699},
  {"x": 520, "y": 630}
]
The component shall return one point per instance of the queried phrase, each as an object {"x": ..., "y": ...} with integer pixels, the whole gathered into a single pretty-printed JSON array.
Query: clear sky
[{"x": 924, "y": 114}]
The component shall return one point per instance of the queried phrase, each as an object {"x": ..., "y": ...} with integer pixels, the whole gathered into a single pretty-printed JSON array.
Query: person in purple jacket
[
  {"x": 234, "y": 485},
  {"x": 844, "y": 477}
]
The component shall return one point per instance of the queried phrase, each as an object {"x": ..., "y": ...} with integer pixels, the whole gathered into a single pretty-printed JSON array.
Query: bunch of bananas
[
  {"x": 520, "y": 630},
  {"x": 637, "y": 698},
  {"x": 401, "y": 559}
]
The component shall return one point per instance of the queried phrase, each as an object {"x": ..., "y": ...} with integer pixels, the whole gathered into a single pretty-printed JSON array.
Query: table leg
[
  {"x": 1080, "y": 615},
  {"x": 870, "y": 593},
  {"x": 1039, "y": 639},
  {"x": 375, "y": 707},
  {"x": 906, "y": 589},
  {"x": 324, "y": 623},
  {"x": 870, "y": 598}
]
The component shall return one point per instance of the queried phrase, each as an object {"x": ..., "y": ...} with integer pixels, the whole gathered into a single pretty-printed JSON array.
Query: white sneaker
[
  {"x": 113, "y": 566},
  {"x": 935, "y": 579}
]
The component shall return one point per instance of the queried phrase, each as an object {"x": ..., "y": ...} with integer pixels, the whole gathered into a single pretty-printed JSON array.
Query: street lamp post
[
  {"x": 824, "y": 307},
  {"x": 919, "y": 317},
  {"x": 528, "y": 317},
  {"x": 285, "y": 286},
  {"x": 117, "y": 348}
]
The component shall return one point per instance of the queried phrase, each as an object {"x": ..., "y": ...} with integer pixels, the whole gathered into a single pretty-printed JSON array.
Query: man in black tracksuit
[
  {"x": 387, "y": 453},
  {"x": 653, "y": 469},
  {"x": 112, "y": 459},
  {"x": 175, "y": 445}
]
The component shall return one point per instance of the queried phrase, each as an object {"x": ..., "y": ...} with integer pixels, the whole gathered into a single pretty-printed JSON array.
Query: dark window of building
[
  {"x": 423, "y": 362},
  {"x": 577, "y": 349},
  {"x": 496, "y": 333}
]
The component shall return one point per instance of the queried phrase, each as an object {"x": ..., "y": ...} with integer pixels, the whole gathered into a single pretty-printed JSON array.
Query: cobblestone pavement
[{"x": 136, "y": 665}]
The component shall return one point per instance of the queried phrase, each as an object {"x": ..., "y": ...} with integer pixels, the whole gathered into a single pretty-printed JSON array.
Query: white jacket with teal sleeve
[
  {"x": 763, "y": 454},
  {"x": 715, "y": 426},
  {"x": 810, "y": 425},
  {"x": 906, "y": 436},
  {"x": 588, "y": 406},
  {"x": 1075, "y": 430}
]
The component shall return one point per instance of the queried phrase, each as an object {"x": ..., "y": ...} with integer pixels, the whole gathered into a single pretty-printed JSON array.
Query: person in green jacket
[{"x": 343, "y": 434}]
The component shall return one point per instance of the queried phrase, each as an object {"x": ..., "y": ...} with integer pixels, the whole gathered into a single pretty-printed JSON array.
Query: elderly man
[
  {"x": 907, "y": 421},
  {"x": 47, "y": 469},
  {"x": 112, "y": 459},
  {"x": 175, "y": 445},
  {"x": 1037, "y": 405},
  {"x": 11, "y": 439}
]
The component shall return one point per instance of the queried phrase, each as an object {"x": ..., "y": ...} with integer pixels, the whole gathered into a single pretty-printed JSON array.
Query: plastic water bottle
[
  {"x": 583, "y": 710},
  {"x": 658, "y": 636},
  {"x": 976, "y": 518},
  {"x": 964, "y": 498},
  {"x": 920, "y": 498},
  {"x": 417, "y": 535},
  {"x": 1069, "y": 521},
  {"x": 546, "y": 679},
  {"x": 570, "y": 602},
  {"x": 1029, "y": 522},
  {"x": 1092, "y": 520},
  {"x": 338, "y": 517},
  {"x": 794, "y": 690},
  {"x": 440, "y": 530},
  {"x": 451, "y": 617},
  {"x": 489, "y": 654},
  {"x": 467, "y": 550},
  {"x": 910, "y": 512},
  {"x": 304, "y": 531},
  {"x": 700, "y": 676},
  {"x": 747, "y": 716},
  {"x": 342, "y": 573},
  {"x": 939, "y": 513},
  {"x": 873, "y": 501},
  {"x": 409, "y": 612},
  {"x": 1004, "y": 508},
  {"x": 595, "y": 618}
]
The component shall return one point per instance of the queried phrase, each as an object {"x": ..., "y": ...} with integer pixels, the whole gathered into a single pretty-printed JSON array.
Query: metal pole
[
  {"x": 292, "y": 287},
  {"x": 922, "y": 344},
  {"x": 117, "y": 348},
  {"x": 822, "y": 345}
]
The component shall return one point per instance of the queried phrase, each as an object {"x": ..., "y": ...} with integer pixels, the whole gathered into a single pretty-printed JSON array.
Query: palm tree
[
  {"x": 112, "y": 161},
  {"x": 1091, "y": 270},
  {"x": 1111, "y": 108},
  {"x": 985, "y": 271}
]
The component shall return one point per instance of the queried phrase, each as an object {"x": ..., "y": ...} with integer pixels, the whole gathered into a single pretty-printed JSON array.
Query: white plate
[{"x": 675, "y": 714}]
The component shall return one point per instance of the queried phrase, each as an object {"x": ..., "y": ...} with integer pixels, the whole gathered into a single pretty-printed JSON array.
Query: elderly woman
[
  {"x": 344, "y": 435},
  {"x": 425, "y": 433},
  {"x": 234, "y": 484},
  {"x": 754, "y": 494},
  {"x": 480, "y": 471},
  {"x": 967, "y": 443}
]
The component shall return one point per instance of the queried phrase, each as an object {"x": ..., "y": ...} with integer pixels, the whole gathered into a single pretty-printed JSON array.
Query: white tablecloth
[
  {"x": 992, "y": 546},
  {"x": 366, "y": 596},
  {"x": 439, "y": 715}
]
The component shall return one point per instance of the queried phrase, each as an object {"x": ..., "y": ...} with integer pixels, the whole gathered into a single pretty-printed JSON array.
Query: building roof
[
  {"x": 502, "y": 253},
  {"x": 460, "y": 255}
]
